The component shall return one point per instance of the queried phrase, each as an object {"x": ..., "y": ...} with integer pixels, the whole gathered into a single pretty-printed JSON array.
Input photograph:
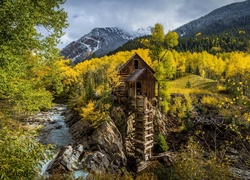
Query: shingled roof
[{"x": 135, "y": 75}]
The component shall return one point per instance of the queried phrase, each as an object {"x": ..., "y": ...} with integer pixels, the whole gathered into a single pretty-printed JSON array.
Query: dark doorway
[{"x": 138, "y": 88}]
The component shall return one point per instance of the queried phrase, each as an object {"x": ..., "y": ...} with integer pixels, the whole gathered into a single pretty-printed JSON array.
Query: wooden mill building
[
  {"x": 138, "y": 90},
  {"x": 137, "y": 78}
]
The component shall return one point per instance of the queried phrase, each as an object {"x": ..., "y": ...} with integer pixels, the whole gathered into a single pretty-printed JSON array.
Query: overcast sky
[{"x": 84, "y": 15}]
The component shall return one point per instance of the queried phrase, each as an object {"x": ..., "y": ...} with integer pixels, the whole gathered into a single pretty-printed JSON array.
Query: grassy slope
[
  {"x": 226, "y": 105},
  {"x": 198, "y": 85}
]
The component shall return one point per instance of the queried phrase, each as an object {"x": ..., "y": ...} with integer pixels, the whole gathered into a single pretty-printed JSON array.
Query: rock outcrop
[
  {"x": 98, "y": 149},
  {"x": 106, "y": 142},
  {"x": 159, "y": 123},
  {"x": 103, "y": 147}
]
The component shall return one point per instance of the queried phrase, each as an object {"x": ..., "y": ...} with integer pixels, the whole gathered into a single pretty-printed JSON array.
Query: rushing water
[{"x": 55, "y": 132}]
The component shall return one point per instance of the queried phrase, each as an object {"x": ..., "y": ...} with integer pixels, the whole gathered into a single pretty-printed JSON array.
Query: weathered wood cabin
[
  {"x": 137, "y": 90},
  {"x": 137, "y": 78}
]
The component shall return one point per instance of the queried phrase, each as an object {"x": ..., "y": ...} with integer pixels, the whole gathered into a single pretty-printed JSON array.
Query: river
[{"x": 54, "y": 131}]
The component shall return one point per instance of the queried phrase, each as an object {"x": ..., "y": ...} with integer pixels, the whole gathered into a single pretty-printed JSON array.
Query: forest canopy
[
  {"x": 28, "y": 74},
  {"x": 29, "y": 79},
  {"x": 95, "y": 78}
]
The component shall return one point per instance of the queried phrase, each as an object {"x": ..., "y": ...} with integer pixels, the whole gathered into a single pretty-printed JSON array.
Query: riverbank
[{"x": 52, "y": 129}]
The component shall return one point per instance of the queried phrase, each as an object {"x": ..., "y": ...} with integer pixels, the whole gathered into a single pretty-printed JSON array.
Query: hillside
[
  {"x": 232, "y": 16},
  {"x": 189, "y": 83},
  {"x": 131, "y": 45},
  {"x": 215, "y": 126},
  {"x": 228, "y": 41},
  {"x": 225, "y": 29}
]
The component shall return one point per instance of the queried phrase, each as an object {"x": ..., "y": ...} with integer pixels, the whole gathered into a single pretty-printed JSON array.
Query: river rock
[
  {"x": 58, "y": 127},
  {"x": 243, "y": 174},
  {"x": 96, "y": 162},
  {"x": 66, "y": 160}
]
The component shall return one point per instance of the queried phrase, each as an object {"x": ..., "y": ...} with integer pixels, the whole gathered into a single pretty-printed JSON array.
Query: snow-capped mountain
[
  {"x": 234, "y": 15},
  {"x": 98, "y": 42},
  {"x": 142, "y": 31}
]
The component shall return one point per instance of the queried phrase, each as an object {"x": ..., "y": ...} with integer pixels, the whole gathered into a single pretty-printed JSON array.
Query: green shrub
[
  {"x": 188, "y": 85},
  {"x": 21, "y": 155},
  {"x": 162, "y": 144}
]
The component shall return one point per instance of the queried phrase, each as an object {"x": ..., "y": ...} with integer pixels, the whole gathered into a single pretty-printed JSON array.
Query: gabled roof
[
  {"x": 148, "y": 67},
  {"x": 136, "y": 75}
]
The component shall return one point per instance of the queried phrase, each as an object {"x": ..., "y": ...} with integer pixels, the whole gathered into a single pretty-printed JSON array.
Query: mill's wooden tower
[{"x": 143, "y": 135}]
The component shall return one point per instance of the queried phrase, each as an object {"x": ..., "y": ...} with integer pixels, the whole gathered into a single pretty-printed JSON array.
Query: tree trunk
[{"x": 158, "y": 97}]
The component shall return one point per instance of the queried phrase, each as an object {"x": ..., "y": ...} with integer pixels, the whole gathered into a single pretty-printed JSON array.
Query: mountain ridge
[
  {"x": 98, "y": 42},
  {"x": 229, "y": 16}
]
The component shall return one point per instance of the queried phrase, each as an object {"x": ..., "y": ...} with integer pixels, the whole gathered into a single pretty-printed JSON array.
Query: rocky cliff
[{"x": 96, "y": 149}]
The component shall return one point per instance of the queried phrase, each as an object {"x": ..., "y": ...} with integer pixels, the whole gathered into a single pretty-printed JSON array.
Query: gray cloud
[{"x": 84, "y": 15}]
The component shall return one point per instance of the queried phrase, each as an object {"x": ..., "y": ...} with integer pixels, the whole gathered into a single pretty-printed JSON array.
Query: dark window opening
[
  {"x": 138, "y": 88},
  {"x": 136, "y": 64}
]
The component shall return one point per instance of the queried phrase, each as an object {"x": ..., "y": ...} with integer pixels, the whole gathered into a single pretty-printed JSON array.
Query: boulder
[
  {"x": 241, "y": 173},
  {"x": 67, "y": 159},
  {"x": 58, "y": 127},
  {"x": 96, "y": 162}
]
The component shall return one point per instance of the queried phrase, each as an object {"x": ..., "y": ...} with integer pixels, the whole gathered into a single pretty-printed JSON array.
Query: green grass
[{"x": 197, "y": 85}]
